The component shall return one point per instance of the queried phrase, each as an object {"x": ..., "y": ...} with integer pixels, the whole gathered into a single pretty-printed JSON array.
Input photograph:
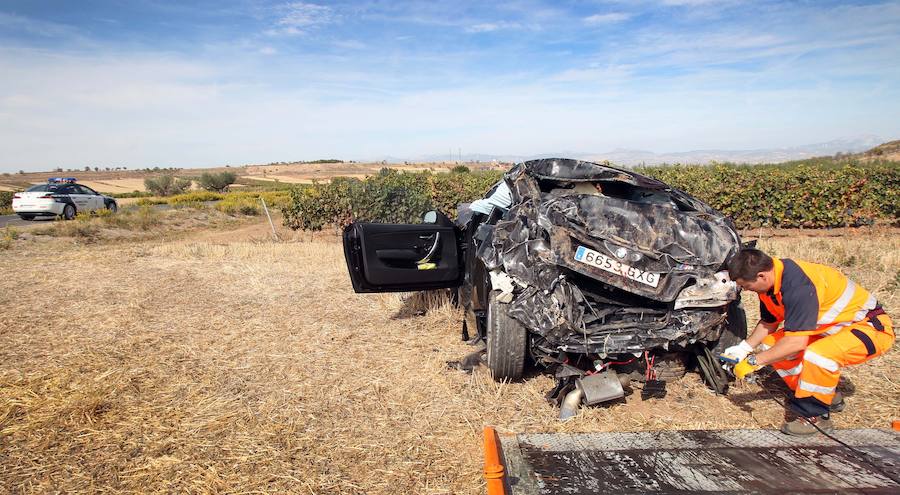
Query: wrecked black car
[{"x": 601, "y": 275}]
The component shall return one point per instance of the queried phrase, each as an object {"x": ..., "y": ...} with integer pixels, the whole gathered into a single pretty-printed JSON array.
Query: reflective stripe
[
  {"x": 816, "y": 389},
  {"x": 791, "y": 372},
  {"x": 837, "y": 327},
  {"x": 869, "y": 305},
  {"x": 820, "y": 361},
  {"x": 839, "y": 305}
]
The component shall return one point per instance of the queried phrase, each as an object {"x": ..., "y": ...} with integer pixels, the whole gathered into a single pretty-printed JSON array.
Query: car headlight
[{"x": 709, "y": 292}]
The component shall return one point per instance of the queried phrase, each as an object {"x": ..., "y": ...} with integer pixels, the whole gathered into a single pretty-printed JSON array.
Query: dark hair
[{"x": 748, "y": 263}]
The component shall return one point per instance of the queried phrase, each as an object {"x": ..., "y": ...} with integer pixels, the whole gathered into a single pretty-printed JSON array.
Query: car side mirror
[{"x": 430, "y": 217}]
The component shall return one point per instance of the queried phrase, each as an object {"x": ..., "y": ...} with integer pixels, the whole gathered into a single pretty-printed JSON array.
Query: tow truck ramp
[{"x": 679, "y": 462}]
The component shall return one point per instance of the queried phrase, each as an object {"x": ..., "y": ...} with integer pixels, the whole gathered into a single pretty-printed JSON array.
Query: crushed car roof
[{"x": 567, "y": 169}]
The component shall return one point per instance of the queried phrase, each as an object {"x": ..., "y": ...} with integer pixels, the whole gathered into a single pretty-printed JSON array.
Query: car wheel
[
  {"x": 112, "y": 207},
  {"x": 670, "y": 366},
  {"x": 506, "y": 339},
  {"x": 27, "y": 218},
  {"x": 68, "y": 212}
]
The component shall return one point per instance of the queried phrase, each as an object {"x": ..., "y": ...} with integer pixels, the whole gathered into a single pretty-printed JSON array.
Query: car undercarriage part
[
  {"x": 653, "y": 389},
  {"x": 568, "y": 408},
  {"x": 711, "y": 371},
  {"x": 600, "y": 387}
]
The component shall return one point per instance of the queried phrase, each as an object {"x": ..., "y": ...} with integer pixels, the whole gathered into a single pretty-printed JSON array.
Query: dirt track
[{"x": 227, "y": 363}]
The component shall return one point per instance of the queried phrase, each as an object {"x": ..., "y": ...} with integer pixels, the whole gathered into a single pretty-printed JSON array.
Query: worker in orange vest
[{"x": 828, "y": 322}]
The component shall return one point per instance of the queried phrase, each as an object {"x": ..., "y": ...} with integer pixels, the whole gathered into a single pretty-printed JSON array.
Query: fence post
[{"x": 274, "y": 234}]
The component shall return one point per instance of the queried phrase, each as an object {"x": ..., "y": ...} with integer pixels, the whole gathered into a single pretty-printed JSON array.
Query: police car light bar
[{"x": 62, "y": 180}]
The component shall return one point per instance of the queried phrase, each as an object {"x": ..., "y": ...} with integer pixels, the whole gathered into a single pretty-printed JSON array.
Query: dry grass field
[
  {"x": 115, "y": 185},
  {"x": 223, "y": 362}
]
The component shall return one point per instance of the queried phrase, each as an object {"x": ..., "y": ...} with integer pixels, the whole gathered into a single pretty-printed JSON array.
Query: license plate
[{"x": 603, "y": 262}]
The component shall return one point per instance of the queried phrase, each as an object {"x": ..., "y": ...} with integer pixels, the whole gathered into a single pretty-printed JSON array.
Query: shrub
[
  {"x": 6, "y": 202},
  {"x": 217, "y": 182},
  {"x": 194, "y": 197},
  {"x": 243, "y": 205},
  {"x": 151, "y": 201},
  {"x": 82, "y": 227},
  {"x": 817, "y": 193},
  {"x": 9, "y": 236},
  {"x": 141, "y": 218},
  {"x": 460, "y": 169},
  {"x": 132, "y": 194},
  {"x": 166, "y": 185},
  {"x": 390, "y": 196},
  {"x": 811, "y": 194}
]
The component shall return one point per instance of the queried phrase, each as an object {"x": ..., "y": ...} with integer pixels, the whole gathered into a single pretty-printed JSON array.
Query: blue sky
[{"x": 159, "y": 83}]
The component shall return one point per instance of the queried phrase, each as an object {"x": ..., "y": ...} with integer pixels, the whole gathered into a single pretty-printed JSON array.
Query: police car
[{"x": 61, "y": 197}]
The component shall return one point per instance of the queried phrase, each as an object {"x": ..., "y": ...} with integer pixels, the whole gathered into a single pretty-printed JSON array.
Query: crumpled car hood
[{"x": 654, "y": 230}]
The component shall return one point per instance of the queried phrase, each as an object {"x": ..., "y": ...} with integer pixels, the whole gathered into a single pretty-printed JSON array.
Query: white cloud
[
  {"x": 691, "y": 3},
  {"x": 295, "y": 17},
  {"x": 488, "y": 27},
  {"x": 299, "y": 14},
  {"x": 350, "y": 44},
  {"x": 267, "y": 50},
  {"x": 610, "y": 18},
  {"x": 34, "y": 26}
]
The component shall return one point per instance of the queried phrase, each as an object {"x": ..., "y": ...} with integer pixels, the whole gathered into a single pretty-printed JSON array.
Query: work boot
[
  {"x": 804, "y": 427},
  {"x": 837, "y": 403}
]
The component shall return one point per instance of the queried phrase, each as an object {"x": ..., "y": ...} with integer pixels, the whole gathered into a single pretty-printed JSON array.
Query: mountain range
[{"x": 633, "y": 157}]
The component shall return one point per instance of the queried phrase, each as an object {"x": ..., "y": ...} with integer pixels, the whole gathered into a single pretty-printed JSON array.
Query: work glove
[
  {"x": 737, "y": 353},
  {"x": 744, "y": 369}
]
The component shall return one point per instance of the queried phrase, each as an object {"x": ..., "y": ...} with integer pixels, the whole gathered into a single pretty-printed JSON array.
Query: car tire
[
  {"x": 670, "y": 366},
  {"x": 506, "y": 339},
  {"x": 112, "y": 207},
  {"x": 735, "y": 328},
  {"x": 27, "y": 218},
  {"x": 68, "y": 212}
]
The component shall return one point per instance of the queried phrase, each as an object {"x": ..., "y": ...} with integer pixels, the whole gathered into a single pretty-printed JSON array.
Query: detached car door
[{"x": 383, "y": 257}]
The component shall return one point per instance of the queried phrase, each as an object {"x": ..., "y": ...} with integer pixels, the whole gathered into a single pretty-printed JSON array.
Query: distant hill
[
  {"x": 633, "y": 157},
  {"x": 886, "y": 151}
]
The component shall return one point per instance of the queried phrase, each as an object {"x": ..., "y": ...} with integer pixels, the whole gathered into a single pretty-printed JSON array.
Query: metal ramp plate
[{"x": 723, "y": 462}]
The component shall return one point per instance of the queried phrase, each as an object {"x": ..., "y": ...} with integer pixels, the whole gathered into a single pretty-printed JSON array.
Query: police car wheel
[
  {"x": 112, "y": 207},
  {"x": 27, "y": 217},
  {"x": 68, "y": 212}
]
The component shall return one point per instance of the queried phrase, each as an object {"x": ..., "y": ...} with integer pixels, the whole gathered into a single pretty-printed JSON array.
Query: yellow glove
[{"x": 744, "y": 368}]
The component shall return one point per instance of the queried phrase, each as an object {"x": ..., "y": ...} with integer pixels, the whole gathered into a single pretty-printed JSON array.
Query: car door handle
[
  {"x": 398, "y": 254},
  {"x": 433, "y": 250}
]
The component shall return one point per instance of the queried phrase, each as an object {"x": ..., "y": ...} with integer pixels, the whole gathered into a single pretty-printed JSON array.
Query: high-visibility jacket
[
  {"x": 813, "y": 299},
  {"x": 844, "y": 323}
]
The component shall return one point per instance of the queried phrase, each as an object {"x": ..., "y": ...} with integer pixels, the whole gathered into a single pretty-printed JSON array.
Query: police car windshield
[{"x": 47, "y": 188}]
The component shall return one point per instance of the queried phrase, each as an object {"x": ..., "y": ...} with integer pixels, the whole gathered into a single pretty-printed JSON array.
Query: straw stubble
[{"x": 251, "y": 367}]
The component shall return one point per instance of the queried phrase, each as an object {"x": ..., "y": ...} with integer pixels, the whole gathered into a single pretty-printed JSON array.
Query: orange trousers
[{"x": 813, "y": 373}]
